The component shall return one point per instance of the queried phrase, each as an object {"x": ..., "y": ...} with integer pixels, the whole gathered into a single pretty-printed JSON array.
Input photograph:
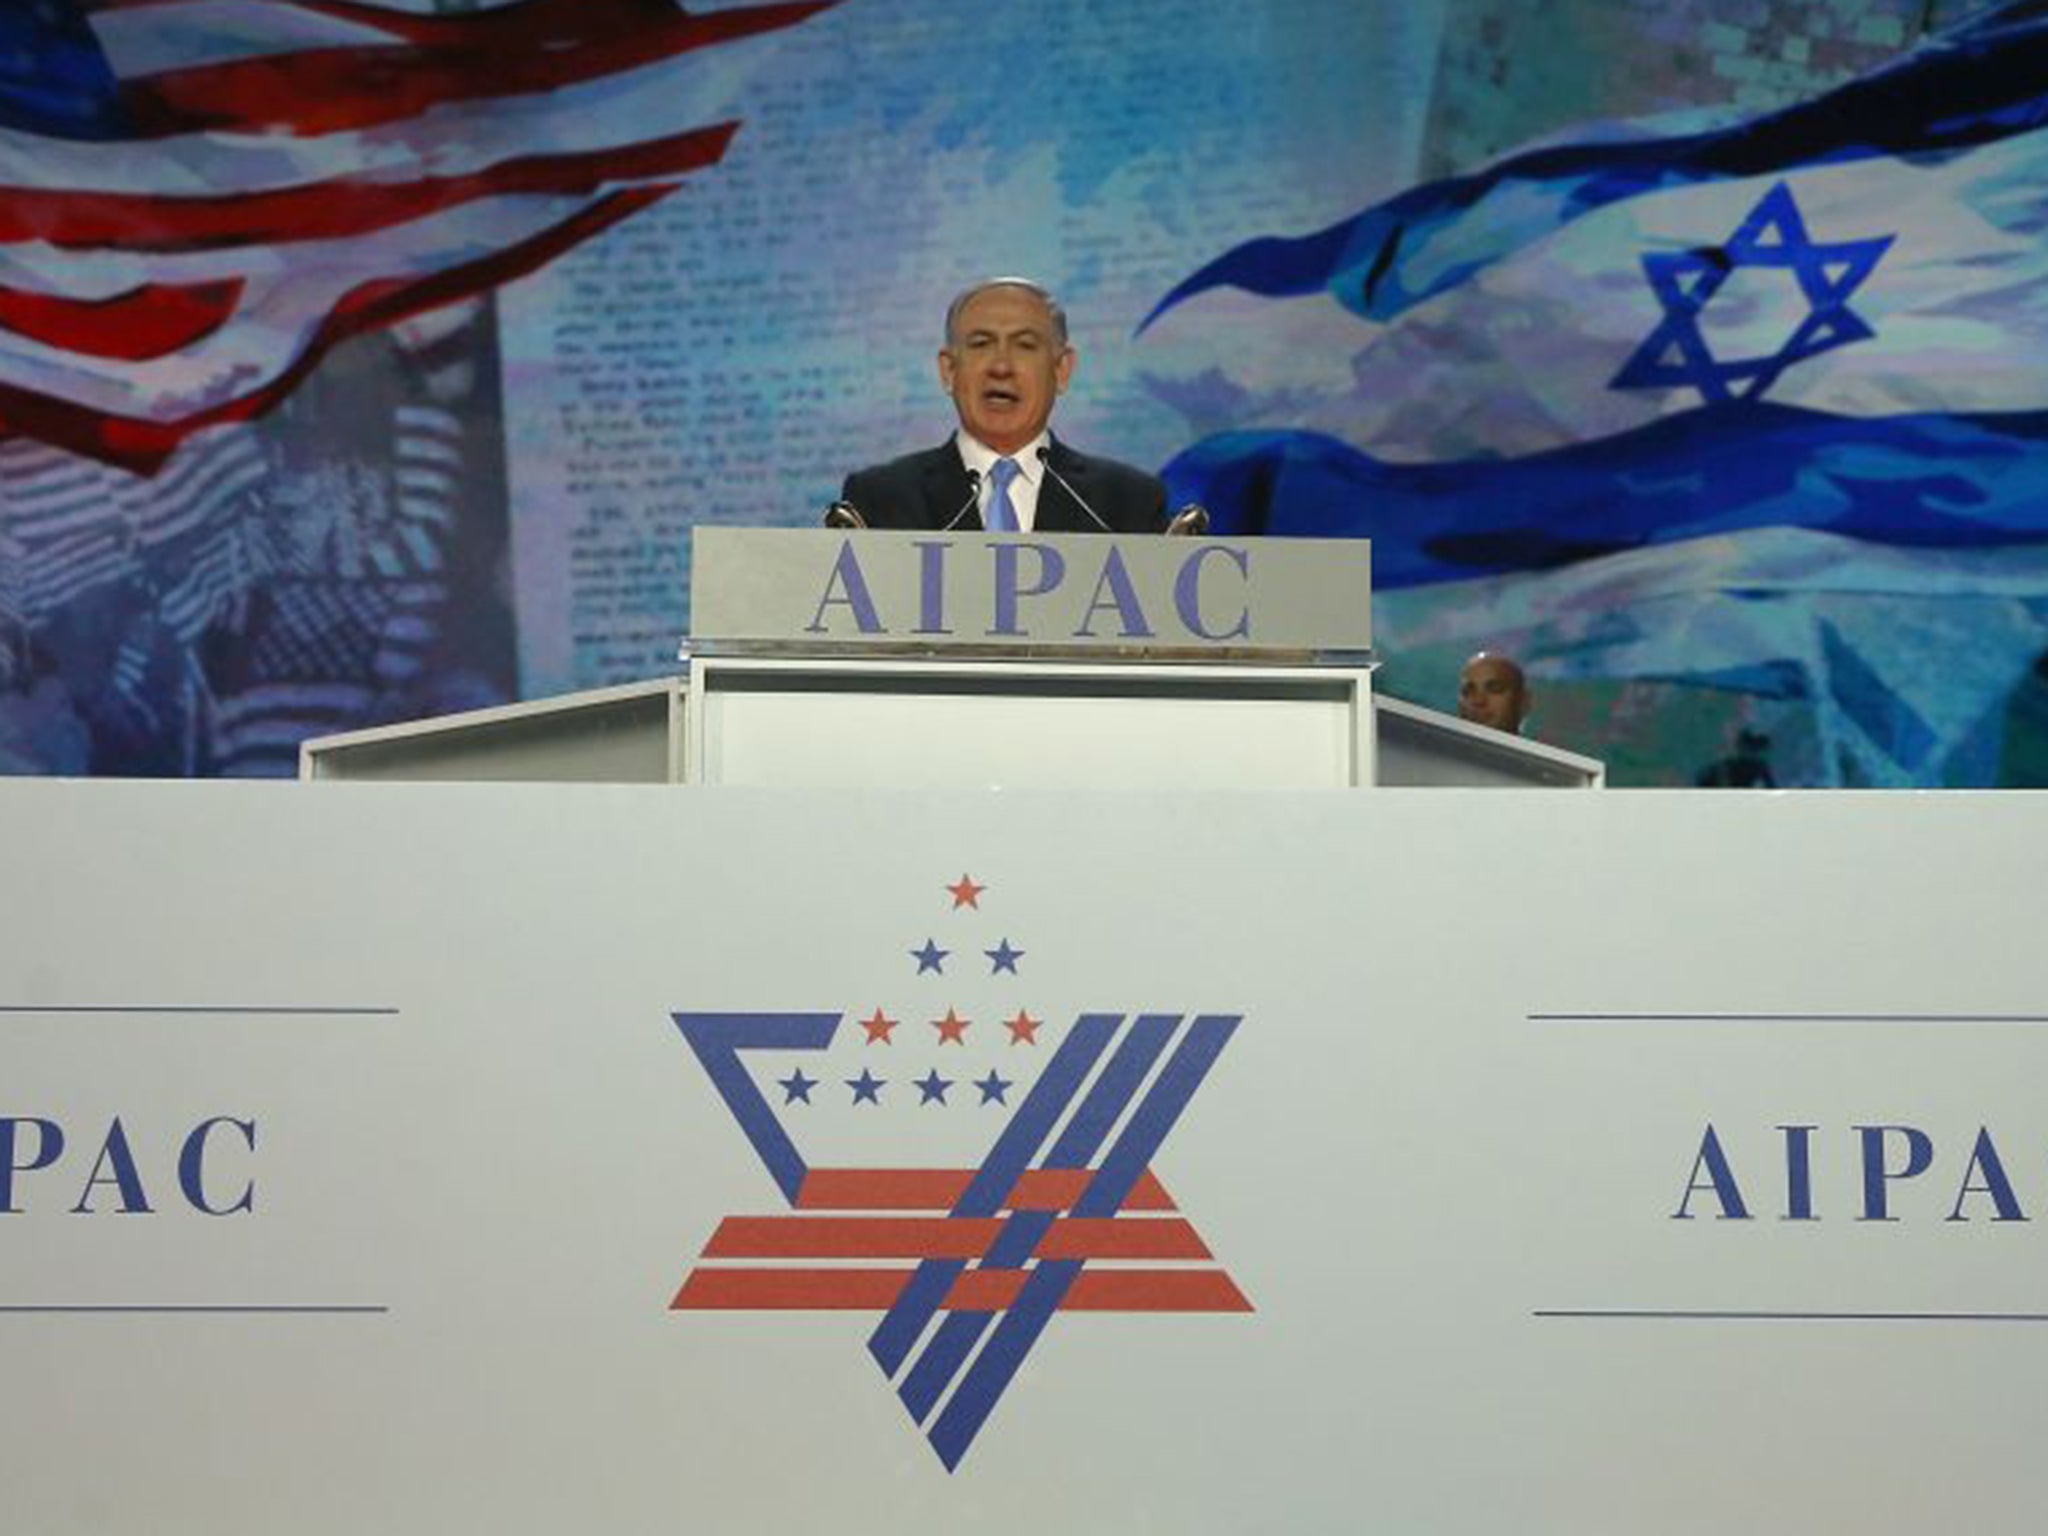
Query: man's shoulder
[
  {"x": 944, "y": 456},
  {"x": 1069, "y": 460},
  {"x": 1132, "y": 499},
  {"x": 913, "y": 491}
]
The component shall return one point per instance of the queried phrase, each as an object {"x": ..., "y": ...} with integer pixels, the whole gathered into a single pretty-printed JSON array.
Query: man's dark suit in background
[{"x": 928, "y": 490}]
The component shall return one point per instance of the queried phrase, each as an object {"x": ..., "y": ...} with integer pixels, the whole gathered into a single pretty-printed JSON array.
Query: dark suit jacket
[{"x": 925, "y": 491}]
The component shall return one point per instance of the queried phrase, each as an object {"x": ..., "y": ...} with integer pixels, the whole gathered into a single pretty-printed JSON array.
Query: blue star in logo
[
  {"x": 1003, "y": 958},
  {"x": 993, "y": 1088},
  {"x": 933, "y": 1087},
  {"x": 1676, "y": 355},
  {"x": 930, "y": 958},
  {"x": 796, "y": 1088},
  {"x": 867, "y": 1088}
]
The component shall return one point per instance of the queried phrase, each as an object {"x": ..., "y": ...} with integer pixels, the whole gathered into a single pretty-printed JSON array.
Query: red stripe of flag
[
  {"x": 142, "y": 445},
  {"x": 851, "y": 1237},
  {"x": 1121, "y": 1237},
  {"x": 1147, "y": 1290},
  {"x": 517, "y": 50},
  {"x": 332, "y": 210},
  {"x": 981, "y": 1290},
  {"x": 153, "y": 320},
  {"x": 939, "y": 1189},
  {"x": 945, "y": 1237},
  {"x": 1122, "y": 1290}
]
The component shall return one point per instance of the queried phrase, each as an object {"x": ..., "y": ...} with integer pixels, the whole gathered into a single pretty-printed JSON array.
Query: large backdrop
[{"x": 367, "y": 361}]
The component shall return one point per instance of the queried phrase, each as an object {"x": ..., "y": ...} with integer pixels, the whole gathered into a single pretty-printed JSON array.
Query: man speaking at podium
[{"x": 1006, "y": 362}]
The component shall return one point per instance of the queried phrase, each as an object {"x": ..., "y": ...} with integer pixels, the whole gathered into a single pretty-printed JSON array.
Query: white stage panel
[{"x": 1432, "y": 1097}]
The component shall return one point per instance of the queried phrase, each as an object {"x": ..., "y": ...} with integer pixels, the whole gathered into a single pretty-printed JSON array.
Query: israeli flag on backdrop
[{"x": 1830, "y": 319}]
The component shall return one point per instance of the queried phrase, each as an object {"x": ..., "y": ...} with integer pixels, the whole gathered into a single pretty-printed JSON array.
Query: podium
[{"x": 827, "y": 658}]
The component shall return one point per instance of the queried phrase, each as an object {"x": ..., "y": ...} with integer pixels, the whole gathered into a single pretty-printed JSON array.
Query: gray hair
[{"x": 1043, "y": 294}]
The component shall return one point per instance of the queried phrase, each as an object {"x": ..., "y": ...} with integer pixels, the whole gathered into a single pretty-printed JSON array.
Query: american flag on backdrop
[
  {"x": 198, "y": 198},
  {"x": 1585, "y": 386},
  {"x": 209, "y": 618},
  {"x": 967, "y": 1211}
]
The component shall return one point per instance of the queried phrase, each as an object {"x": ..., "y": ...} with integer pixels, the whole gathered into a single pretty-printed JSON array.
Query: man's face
[
  {"x": 1004, "y": 366},
  {"x": 1491, "y": 692}
]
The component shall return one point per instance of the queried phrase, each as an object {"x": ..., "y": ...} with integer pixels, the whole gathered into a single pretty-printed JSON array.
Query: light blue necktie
[{"x": 1001, "y": 517}]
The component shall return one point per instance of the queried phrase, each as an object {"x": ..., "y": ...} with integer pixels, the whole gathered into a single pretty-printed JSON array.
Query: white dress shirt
[{"x": 977, "y": 455}]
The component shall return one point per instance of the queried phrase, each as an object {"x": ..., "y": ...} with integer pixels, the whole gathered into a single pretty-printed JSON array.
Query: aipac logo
[{"x": 966, "y": 1264}]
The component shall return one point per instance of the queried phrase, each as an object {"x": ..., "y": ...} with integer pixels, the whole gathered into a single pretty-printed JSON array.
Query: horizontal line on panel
[
  {"x": 1726, "y": 1316},
  {"x": 239, "y": 1308},
  {"x": 197, "y": 1009},
  {"x": 1787, "y": 1018}
]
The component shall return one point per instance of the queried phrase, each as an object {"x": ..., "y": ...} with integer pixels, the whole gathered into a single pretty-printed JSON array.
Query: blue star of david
[{"x": 1676, "y": 355}]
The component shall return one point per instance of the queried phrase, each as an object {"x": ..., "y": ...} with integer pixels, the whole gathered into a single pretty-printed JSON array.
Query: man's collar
[{"x": 978, "y": 456}]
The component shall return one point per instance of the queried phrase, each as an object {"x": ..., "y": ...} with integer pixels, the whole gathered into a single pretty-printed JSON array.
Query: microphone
[
  {"x": 1190, "y": 522},
  {"x": 973, "y": 495},
  {"x": 1045, "y": 458},
  {"x": 843, "y": 514}
]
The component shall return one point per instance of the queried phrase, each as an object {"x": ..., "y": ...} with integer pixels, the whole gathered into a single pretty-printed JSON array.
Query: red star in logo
[
  {"x": 952, "y": 1027},
  {"x": 966, "y": 893},
  {"x": 878, "y": 1028},
  {"x": 1023, "y": 1028}
]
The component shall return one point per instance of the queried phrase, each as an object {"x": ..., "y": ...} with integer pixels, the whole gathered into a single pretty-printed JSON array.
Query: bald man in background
[{"x": 1492, "y": 691}]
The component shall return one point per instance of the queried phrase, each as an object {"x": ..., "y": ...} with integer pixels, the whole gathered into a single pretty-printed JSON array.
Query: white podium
[
  {"x": 876, "y": 660},
  {"x": 830, "y": 721}
]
